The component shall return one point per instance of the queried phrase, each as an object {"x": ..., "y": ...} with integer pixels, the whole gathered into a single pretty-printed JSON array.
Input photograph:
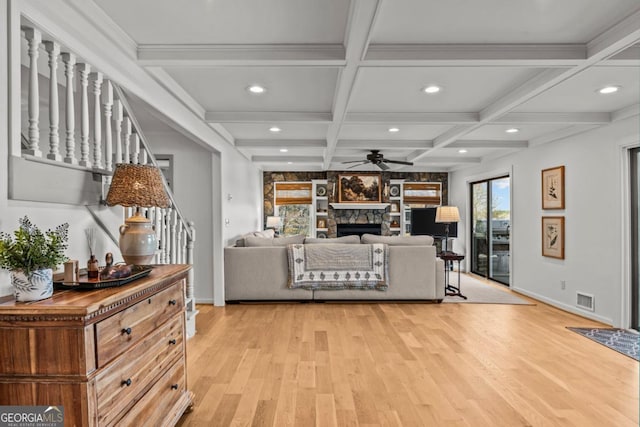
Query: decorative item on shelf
[
  {"x": 71, "y": 271},
  {"x": 274, "y": 223},
  {"x": 321, "y": 190},
  {"x": 322, "y": 223},
  {"x": 395, "y": 207},
  {"x": 31, "y": 256},
  {"x": 395, "y": 224},
  {"x": 92, "y": 264},
  {"x": 321, "y": 235},
  {"x": 394, "y": 190},
  {"x": 139, "y": 186},
  {"x": 385, "y": 190},
  {"x": 447, "y": 215}
]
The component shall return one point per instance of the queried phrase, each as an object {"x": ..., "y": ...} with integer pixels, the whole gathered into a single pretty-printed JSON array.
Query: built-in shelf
[{"x": 373, "y": 206}]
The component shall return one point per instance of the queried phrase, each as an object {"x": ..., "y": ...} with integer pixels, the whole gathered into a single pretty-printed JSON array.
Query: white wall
[
  {"x": 193, "y": 192},
  {"x": 593, "y": 200}
]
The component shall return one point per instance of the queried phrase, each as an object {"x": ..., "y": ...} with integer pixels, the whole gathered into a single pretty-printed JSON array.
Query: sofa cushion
[
  {"x": 266, "y": 234},
  {"x": 253, "y": 241},
  {"x": 353, "y": 239},
  {"x": 398, "y": 240}
]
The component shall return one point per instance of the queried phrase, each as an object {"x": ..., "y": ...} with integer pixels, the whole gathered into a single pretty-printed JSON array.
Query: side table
[{"x": 449, "y": 289}]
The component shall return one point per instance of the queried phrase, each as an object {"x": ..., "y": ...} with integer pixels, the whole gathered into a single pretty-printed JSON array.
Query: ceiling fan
[{"x": 376, "y": 158}]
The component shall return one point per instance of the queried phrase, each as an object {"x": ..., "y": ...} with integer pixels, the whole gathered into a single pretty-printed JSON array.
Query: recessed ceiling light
[
  {"x": 289, "y": 163},
  {"x": 462, "y": 151},
  {"x": 394, "y": 129},
  {"x": 274, "y": 129},
  {"x": 512, "y": 130},
  {"x": 283, "y": 150},
  {"x": 608, "y": 89},
  {"x": 256, "y": 89},
  {"x": 431, "y": 89}
]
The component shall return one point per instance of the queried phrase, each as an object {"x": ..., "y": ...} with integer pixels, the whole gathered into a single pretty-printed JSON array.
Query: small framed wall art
[
  {"x": 553, "y": 236},
  {"x": 553, "y": 188}
]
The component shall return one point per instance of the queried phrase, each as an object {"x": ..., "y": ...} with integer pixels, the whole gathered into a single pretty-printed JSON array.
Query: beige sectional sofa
[{"x": 259, "y": 271}]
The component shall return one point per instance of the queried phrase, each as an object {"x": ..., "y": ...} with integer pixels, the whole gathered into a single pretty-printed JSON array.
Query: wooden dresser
[{"x": 114, "y": 356}]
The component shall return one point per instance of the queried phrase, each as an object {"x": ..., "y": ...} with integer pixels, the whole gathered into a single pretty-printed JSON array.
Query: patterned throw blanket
[{"x": 339, "y": 266}]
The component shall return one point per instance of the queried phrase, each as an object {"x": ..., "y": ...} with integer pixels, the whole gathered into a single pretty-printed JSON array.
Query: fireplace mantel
[{"x": 373, "y": 206}]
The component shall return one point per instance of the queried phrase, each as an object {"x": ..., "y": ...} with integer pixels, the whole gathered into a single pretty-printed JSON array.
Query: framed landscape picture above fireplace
[{"x": 359, "y": 188}]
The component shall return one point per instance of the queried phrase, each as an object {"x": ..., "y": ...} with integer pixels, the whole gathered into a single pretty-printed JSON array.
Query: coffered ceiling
[{"x": 339, "y": 74}]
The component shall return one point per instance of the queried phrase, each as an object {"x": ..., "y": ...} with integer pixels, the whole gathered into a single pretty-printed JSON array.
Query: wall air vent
[{"x": 585, "y": 301}]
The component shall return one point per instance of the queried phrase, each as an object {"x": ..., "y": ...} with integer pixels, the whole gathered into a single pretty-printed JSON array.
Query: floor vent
[{"x": 585, "y": 301}]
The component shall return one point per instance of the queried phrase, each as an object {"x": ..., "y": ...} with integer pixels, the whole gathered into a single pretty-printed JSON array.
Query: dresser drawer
[
  {"x": 163, "y": 402},
  {"x": 121, "y": 331},
  {"x": 122, "y": 382}
]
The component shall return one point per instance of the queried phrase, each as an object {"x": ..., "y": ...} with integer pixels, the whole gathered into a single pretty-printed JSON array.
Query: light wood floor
[{"x": 404, "y": 365}]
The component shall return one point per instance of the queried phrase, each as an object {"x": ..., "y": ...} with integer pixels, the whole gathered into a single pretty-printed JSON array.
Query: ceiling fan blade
[
  {"x": 382, "y": 166},
  {"x": 359, "y": 164},
  {"x": 355, "y": 161},
  {"x": 399, "y": 162}
]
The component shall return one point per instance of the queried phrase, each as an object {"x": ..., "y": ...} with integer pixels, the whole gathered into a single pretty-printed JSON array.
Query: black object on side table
[{"x": 450, "y": 258}]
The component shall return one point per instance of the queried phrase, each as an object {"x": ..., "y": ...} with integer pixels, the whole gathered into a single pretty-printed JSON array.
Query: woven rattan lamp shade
[{"x": 137, "y": 185}]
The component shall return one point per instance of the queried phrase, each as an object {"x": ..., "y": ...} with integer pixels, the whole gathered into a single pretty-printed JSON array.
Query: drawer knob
[
  {"x": 174, "y": 386},
  {"x": 127, "y": 382},
  {"x": 126, "y": 331},
  {"x": 173, "y": 342},
  {"x": 173, "y": 302}
]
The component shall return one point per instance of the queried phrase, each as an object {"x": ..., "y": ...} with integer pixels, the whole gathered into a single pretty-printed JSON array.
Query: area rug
[
  {"x": 481, "y": 293},
  {"x": 620, "y": 340}
]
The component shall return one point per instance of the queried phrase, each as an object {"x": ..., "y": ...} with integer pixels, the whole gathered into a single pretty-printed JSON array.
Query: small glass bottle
[{"x": 92, "y": 267}]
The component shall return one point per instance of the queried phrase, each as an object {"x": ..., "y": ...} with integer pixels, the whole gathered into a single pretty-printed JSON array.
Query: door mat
[{"x": 620, "y": 340}]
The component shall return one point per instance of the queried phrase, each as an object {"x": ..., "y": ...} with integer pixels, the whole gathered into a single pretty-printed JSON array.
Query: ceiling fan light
[
  {"x": 274, "y": 129},
  {"x": 394, "y": 129},
  {"x": 512, "y": 130},
  {"x": 462, "y": 151},
  {"x": 283, "y": 150}
]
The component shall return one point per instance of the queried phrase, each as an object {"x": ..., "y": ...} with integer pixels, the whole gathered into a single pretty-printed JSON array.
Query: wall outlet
[{"x": 563, "y": 285}]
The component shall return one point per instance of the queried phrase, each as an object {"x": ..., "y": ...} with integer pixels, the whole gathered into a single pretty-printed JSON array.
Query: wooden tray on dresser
[{"x": 86, "y": 283}]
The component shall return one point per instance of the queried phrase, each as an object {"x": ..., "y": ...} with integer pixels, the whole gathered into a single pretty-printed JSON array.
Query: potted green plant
[{"x": 31, "y": 256}]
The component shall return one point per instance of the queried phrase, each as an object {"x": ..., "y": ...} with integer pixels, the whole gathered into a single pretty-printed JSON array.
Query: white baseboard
[
  {"x": 565, "y": 307},
  {"x": 204, "y": 301}
]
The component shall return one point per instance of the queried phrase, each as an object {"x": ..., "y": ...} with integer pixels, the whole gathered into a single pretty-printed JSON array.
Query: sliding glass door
[{"x": 491, "y": 228}]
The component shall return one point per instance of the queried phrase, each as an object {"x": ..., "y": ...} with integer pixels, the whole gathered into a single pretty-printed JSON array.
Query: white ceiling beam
[
  {"x": 416, "y": 118},
  {"x": 551, "y": 118},
  {"x": 625, "y": 113},
  {"x": 488, "y": 143},
  {"x": 369, "y": 144},
  {"x": 436, "y": 160},
  {"x": 524, "y": 55},
  {"x": 277, "y": 143},
  {"x": 612, "y": 41},
  {"x": 561, "y": 134},
  {"x": 285, "y": 159},
  {"x": 362, "y": 16},
  {"x": 266, "y": 117},
  {"x": 204, "y": 55}
]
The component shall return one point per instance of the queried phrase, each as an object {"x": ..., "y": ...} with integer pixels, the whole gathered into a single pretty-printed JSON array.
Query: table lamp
[
  {"x": 139, "y": 186},
  {"x": 274, "y": 222},
  {"x": 447, "y": 215}
]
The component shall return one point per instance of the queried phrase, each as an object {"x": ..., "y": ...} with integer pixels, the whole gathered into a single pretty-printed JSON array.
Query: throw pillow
[
  {"x": 398, "y": 240},
  {"x": 353, "y": 239},
  {"x": 286, "y": 240}
]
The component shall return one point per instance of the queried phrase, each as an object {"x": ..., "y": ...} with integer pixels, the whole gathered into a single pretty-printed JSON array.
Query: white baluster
[
  {"x": 127, "y": 140},
  {"x": 144, "y": 160},
  {"x": 135, "y": 149},
  {"x": 190, "y": 245},
  {"x": 34, "y": 37},
  {"x": 158, "y": 229},
  {"x": 183, "y": 252},
  {"x": 178, "y": 242},
  {"x": 53, "y": 49},
  {"x": 118, "y": 116},
  {"x": 97, "y": 120},
  {"x": 174, "y": 247},
  {"x": 69, "y": 60},
  {"x": 83, "y": 77},
  {"x": 107, "y": 105},
  {"x": 163, "y": 237}
]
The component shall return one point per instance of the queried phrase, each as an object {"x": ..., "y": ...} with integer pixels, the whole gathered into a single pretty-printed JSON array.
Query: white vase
[{"x": 35, "y": 286}]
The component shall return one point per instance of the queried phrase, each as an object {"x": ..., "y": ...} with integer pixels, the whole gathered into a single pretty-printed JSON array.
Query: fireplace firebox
[{"x": 358, "y": 229}]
